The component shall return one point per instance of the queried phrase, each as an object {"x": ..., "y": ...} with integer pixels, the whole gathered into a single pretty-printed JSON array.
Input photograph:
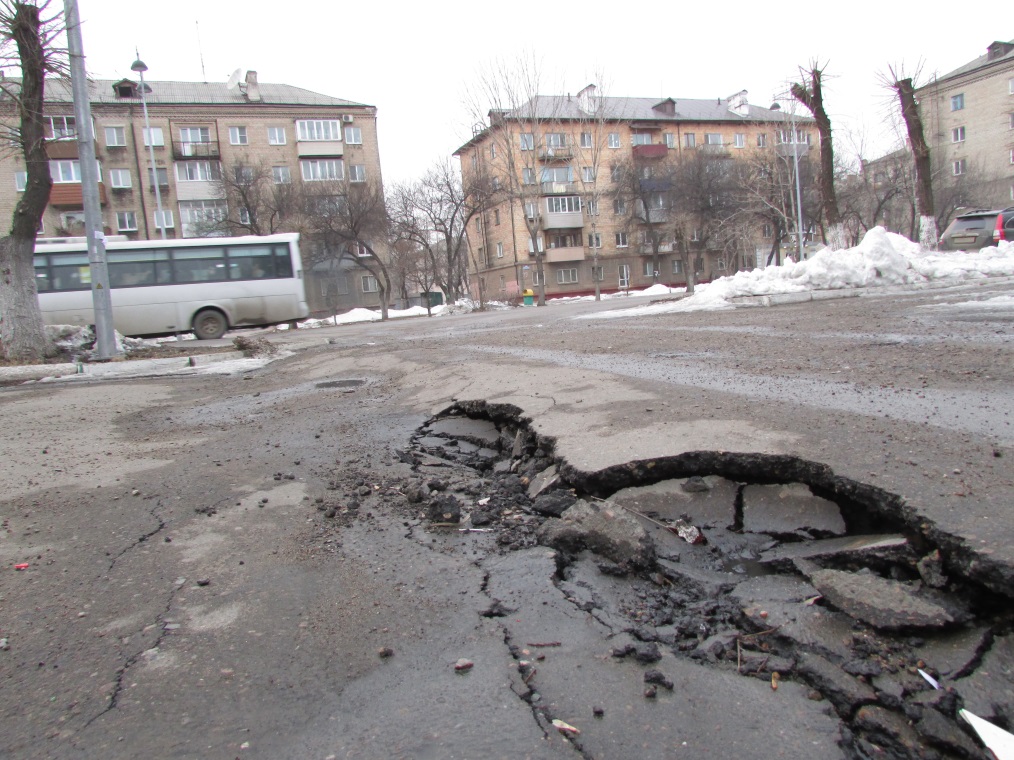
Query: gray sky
[{"x": 416, "y": 61}]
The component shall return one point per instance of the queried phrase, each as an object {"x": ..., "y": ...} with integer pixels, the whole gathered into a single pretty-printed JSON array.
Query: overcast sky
[{"x": 417, "y": 61}]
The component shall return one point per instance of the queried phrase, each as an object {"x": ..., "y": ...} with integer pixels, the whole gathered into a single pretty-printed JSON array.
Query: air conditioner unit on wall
[{"x": 347, "y": 118}]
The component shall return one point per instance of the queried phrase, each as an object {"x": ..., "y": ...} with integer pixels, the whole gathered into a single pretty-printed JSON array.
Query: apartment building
[
  {"x": 201, "y": 133},
  {"x": 552, "y": 173},
  {"x": 968, "y": 116}
]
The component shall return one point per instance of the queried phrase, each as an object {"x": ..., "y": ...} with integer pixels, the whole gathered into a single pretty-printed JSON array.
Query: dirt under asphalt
[{"x": 246, "y": 565}]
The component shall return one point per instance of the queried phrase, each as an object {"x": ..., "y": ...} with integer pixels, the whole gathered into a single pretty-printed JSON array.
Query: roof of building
[
  {"x": 997, "y": 51},
  {"x": 101, "y": 91}
]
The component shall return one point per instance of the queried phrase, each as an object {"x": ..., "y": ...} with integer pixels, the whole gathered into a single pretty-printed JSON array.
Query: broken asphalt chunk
[
  {"x": 881, "y": 603},
  {"x": 604, "y": 530},
  {"x": 790, "y": 509},
  {"x": 847, "y": 547}
]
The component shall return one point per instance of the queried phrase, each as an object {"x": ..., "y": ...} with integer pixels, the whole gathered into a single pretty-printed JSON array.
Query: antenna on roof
[
  {"x": 233, "y": 79},
  {"x": 200, "y": 50}
]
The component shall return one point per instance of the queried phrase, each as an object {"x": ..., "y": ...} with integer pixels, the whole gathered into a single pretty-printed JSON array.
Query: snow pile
[
  {"x": 882, "y": 258},
  {"x": 368, "y": 315},
  {"x": 654, "y": 290}
]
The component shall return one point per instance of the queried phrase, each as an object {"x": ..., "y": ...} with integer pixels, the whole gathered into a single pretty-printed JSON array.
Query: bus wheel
[{"x": 209, "y": 324}]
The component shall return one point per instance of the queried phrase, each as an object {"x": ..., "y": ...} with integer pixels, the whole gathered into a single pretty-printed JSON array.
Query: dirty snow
[
  {"x": 881, "y": 259},
  {"x": 368, "y": 315}
]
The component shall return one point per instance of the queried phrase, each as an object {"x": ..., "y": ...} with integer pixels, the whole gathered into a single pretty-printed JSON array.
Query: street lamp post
[
  {"x": 794, "y": 142},
  {"x": 140, "y": 68}
]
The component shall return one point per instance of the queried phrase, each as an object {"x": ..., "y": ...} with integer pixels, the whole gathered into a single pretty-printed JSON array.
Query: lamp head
[{"x": 138, "y": 66}]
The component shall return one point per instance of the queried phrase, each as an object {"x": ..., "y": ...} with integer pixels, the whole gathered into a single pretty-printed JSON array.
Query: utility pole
[{"x": 105, "y": 337}]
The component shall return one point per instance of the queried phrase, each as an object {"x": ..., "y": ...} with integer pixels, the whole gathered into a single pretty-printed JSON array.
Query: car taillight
[{"x": 998, "y": 233}]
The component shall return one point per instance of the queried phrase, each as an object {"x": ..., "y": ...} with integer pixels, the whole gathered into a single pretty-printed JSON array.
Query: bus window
[
  {"x": 199, "y": 265},
  {"x": 41, "y": 274},
  {"x": 250, "y": 263},
  {"x": 283, "y": 261},
  {"x": 71, "y": 272},
  {"x": 133, "y": 268}
]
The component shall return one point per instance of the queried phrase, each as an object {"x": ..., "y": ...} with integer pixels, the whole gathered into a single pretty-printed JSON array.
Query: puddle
[
  {"x": 350, "y": 383},
  {"x": 765, "y": 566}
]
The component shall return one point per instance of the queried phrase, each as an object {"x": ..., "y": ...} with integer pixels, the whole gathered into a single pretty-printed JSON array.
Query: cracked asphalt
[{"x": 186, "y": 598}]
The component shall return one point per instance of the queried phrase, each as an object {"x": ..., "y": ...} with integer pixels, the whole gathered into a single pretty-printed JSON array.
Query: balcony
[
  {"x": 564, "y": 220},
  {"x": 650, "y": 151},
  {"x": 786, "y": 150},
  {"x": 559, "y": 188},
  {"x": 715, "y": 149},
  {"x": 653, "y": 215},
  {"x": 323, "y": 148},
  {"x": 556, "y": 153},
  {"x": 574, "y": 253},
  {"x": 662, "y": 248},
  {"x": 196, "y": 149},
  {"x": 69, "y": 195}
]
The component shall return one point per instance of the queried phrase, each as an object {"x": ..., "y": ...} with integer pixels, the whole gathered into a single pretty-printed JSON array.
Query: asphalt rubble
[{"x": 779, "y": 583}]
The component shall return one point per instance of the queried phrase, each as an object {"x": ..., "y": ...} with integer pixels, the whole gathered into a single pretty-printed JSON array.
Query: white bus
[{"x": 162, "y": 287}]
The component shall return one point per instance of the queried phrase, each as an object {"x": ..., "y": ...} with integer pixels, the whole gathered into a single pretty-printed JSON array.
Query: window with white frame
[
  {"x": 670, "y": 140},
  {"x": 1010, "y": 121},
  {"x": 163, "y": 219},
  {"x": 762, "y": 140},
  {"x": 739, "y": 140},
  {"x": 591, "y": 207},
  {"x": 244, "y": 174},
  {"x": 594, "y": 239},
  {"x": 496, "y": 183},
  {"x": 695, "y": 236},
  {"x": 597, "y": 273},
  {"x": 720, "y": 264},
  {"x": 557, "y": 174},
  {"x": 72, "y": 219},
  {"x": 566, "y": 276},
  {"x": 237, "y": 136},
  {"x": 116, "y": 137},
  {"x": 321, "y": 169},
  {"x": 527, "y": 176},
  {"x": 354, "y": 135},
  {"x": 126, "y": 221},
  {"x": 319, "y": 130},
  {"x": 64, "y": 172},
  {"x": 586, "y": 139},
  {"x": 689, "y": 140},
  {"x": 767, "y": 230},
  {"x": 1010, "y": 86},
  {"x": 152, "y": 137},
  {"x": 492, "y": 149},
  {"x": 619, "y": 206},
  {"x": 162, "y": 174},
  {"x": 496, "y": 216},
  {"x": 276, "y": 135},
  {"x": 244, "y": 215},
  {"x": 621, "y": 240},
  {"x": 649, "y": 268},
  {"x": 199, "y": 171},
  {"x": 563, "y": 204},
  {"x": 60, "y": 127},
  {"x": 357, "y": 173},
  {"x": 527, "y": 141},
  {"x": 623, "y": 272},
  {"x": 587, "y": 174},
  {"x": 958, "y": 101},
  {"x": 499, "y": 250},
  {"x": 369, "y": 283},
  {"x": 531, "y": 209},
  {"x": 640, "y": 138},
  {"x": 958, "y": 167},
  {"x": 195, "y": 134},
  {"x": 677, "y": 266},
  {"x": 20, "y": 181},
  {"x": 712, "y": 138},
  {"x": 958, "y": 135},
  {"x": 281, "y": 175},
  {"x": 613, "y": 140},
  {"x": 119, "y": 178},
  {"x": 537, "y": 279},
  {"x": 202, "y": 213},
  {"x": 556, "y": 140},
  {"x": 538, "y": 242}
]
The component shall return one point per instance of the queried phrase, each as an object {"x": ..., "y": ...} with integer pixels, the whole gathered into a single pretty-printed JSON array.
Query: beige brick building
[
  {"x": 968, "y": 117},
  {"x": 199, "y": 130},
  {"x": 554, "y": 162}
]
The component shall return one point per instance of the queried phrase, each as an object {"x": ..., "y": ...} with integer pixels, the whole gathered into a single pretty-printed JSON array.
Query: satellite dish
[{"x": 234, "y": 79}]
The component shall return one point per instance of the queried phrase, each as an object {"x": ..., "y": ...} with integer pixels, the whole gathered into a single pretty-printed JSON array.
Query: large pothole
[{"x": 765, "y": 566}]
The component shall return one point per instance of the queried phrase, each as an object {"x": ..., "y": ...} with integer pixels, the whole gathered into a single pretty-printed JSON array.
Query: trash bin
[{"x": 529, "y": 296}]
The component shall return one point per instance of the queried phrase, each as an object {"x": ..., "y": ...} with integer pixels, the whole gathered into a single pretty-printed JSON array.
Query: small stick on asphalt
[
  {"x": 739, "y": 656},
  {"x": 759, "y": 633},
  {"x": 543, "y": 644}
]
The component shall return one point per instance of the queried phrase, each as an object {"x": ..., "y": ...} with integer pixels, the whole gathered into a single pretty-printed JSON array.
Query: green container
[{"x": 529, "y": 297}]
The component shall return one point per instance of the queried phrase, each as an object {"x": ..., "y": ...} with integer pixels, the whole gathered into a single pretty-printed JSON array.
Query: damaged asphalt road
[{"x": 736, "y": 534}]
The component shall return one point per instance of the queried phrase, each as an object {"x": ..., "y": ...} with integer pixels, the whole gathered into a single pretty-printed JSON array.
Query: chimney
[{"x": 253, "y": 90}]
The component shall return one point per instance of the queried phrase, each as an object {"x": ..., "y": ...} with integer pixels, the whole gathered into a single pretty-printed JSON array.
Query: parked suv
[{"x": 977, "y": 229}]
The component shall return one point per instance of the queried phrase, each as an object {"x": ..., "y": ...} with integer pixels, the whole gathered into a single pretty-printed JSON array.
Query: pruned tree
[
  {"x": 261, "y": 201},
  {"x": 27, "y": 40},
  {"x": 810, "y": 93}
]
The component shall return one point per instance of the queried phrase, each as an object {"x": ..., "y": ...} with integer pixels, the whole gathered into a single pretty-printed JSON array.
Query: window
[
  {"x": 677, "y": 266},
  {"x": 527, "y": 140},
  {"x": 237, "y": 136},
  {"x": 558, "y": 174},
  {"x": 740, "y": 141},
  {"x": 496, "y": 183},
  {"x": 64, "y": 172},
  {"x": 670, "y": 140},
  {"x": 538, "y": 242},
  {"x": 1012, "y": 155},
  {"x": 527, "y": 176},
  {"x": 200, "y": 217},
  {"x": 244, "y": 174},
  {"x": 320, "y": 169},
  {"x": 958, "y": 101},
  {"x": 712, "y": 138},
  {"x": 623, "y": 270},
  {"x": 357, "y": 173},
  {"x": 619, "y": 206},
  {"x": 126, "y": 221},
  {"x": 281, "y": 175},
  {"x": 591, "y": 207},
  {"x": 616, "y": 173},
  {"x": 695, "y": 236},
  {"x": 566, "y": 240},
  {"x": 566, "y": 276},
  {"x": 767, "y": 231},
  {"x": 556, "y": 140},
  {"x": 689, "y": 140},
  {"x": 483, "y": 257},
  {"x": 594, "y": 239},
  {"x": 586, "y": 139},
  {"x": 1010, "y": 86},
  {"x": 369, "y": 283},
  {"x": 153, "y": 137},
  {"x": 244, "y": 215},
  {"x": 538, "y": 279},
  {"x": 60, "y": 128},
  {"x": 499, "y": 250},
  {"x": 317, "y": 130},
  {"x": 119, "y": 178},
  {"x": 163, "y": 178},
  {"x": 597, "y": 274},
  {"x": 958, "y": 167},
  {"x": 640, "y": 138},
  {"x": 587, "y": 174},
  {"x": 531, "y": 210},
  {"x": 478, "y": 225},
  {"x": 492, "y": 149},
  {"x": 354, "y": 135},
  {"x": 199, "y": 171},
  {"x": 621, "y": 239},
  {"x": 116, "y": 137},
  {"x": 496, "y": 216},
  {"x": 958, "y": 135},
  {"x": 1010, "y": 121},
  {"x": 20, "y": 181},
  {"x": 720, "y": 264},
  {"x": 166, "y": 216},
  {"x": 276, "y": 135},
  {"x": 563, "y": 204},
  {"x": 762, "y": 140},
  {"x": 614, "y": 140},
  {"x": 649, "y": 269}
]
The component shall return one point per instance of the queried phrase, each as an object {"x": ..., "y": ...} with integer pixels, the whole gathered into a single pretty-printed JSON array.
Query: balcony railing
[
  {"x": 562, "y": 220},
  {"x": 662, "y": 248},
  {"x": 558, "y": 188},
  {"x": 556, "y": 153},
  {"x": 650, "y": 151},
  {"x": 196, "y": 149}
]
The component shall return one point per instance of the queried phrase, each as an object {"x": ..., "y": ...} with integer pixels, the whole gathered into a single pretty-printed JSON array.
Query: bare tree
[
  {"x": 27, "y": 39},
  {"x": 644, "y": 191},
  {"x": 593, "y": 136},
  {"x": 260, "y": 201}
]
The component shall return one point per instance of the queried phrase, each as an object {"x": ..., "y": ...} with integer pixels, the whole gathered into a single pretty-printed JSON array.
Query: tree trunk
[
  {"x": 923, "y": 170},
  {"x": 22, "y": 333},
  {"x": 813, "y": 98}
]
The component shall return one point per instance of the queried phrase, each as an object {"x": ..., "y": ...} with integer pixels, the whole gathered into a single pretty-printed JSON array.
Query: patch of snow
[{"x": 368, "y": 315}]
